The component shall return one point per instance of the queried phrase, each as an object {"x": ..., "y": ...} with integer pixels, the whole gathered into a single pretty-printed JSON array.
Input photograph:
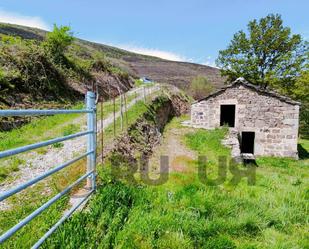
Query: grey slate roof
[{"x": 243, "y": 82}]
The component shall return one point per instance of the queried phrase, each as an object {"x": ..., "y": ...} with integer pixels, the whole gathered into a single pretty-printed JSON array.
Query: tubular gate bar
[{"x": 91, "y": 164}]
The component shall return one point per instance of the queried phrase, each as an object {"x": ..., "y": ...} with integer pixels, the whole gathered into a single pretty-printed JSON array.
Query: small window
[{"x": 227, "y": 115}]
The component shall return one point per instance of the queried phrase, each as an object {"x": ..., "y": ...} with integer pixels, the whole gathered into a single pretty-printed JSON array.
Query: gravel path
[
  {"x": 173, "y": 146},
  {"x": 36, "y": 164}
]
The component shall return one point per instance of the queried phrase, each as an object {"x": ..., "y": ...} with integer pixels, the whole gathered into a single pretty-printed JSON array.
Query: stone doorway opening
[
  {"x": 227, "y": 115},
  {"x": 247, "y": 142}
]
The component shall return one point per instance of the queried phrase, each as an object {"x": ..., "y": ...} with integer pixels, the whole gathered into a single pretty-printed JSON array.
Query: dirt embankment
[{"x": 145, "y": 134}]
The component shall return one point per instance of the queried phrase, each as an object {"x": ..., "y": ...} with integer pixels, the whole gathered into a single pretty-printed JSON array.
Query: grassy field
[{"x": 186, "y": 213}]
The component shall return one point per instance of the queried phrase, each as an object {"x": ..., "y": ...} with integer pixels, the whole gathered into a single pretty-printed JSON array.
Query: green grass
[
  {"x": 70, "y": 129},
  {"x": 133, "y": 113},
  {"x": 27, "y": 201},
  {"x": 208, "y": 143},
  {"x": 30, "y": 201},
  {"x": 50, "y": 127},
  {"x": 38, "y": 130},
  {"x": 57, "y": 145},
  {"x": 185, "y": 213},
  {"x": 47, "y": 128},
  {"x": 139, "y": 83},
  {"x": 12, "y": 165}
]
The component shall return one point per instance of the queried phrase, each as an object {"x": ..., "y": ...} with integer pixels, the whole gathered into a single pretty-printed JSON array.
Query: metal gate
[{"x": 91, "y": 164}]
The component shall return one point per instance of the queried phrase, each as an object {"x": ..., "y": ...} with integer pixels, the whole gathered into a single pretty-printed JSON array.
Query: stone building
[{"x": 263, "y": 123}]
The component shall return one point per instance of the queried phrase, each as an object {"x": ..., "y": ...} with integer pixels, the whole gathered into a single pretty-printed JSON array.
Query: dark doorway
[
  {"x": 227, "y": 116},
  {"x": 247, "y": 142}
]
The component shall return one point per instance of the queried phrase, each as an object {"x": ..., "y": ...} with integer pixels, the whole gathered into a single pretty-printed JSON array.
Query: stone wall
[{"x": 274, "y": 121}]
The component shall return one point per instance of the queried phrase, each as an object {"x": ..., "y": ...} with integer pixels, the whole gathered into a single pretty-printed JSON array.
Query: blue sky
[{"x": 192, "y": 30}]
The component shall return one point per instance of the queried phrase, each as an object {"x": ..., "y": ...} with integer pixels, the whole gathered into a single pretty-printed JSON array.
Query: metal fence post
[
  {"x": 144, "y": 90},
  {"x": 91, "y": 139}
]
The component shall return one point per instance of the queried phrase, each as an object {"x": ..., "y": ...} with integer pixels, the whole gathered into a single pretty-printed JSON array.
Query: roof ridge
[{"x": 246, "y": 83}]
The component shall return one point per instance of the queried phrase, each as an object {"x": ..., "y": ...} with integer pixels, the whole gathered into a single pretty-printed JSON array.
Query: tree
[
  {"x": 57, "y": 42},
  {"x": 301, "y": 92},
  {"x": 200, "y": 87},
  {"x": 266, "y": 55}
]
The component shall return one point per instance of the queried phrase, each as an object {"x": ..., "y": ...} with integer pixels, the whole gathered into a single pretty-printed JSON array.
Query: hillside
[{"x": 176, "y": 73}]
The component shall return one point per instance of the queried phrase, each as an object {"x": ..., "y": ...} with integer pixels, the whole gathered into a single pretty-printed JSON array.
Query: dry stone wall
[{"x": 274, "y": 121}]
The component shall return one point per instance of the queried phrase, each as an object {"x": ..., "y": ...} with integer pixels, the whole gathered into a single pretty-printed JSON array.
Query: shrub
[
  {"x": 26, "y": 67},
  {"x": 200, "y": 87},
  {"x": 57, "y": 42},
  {"x": 100, "y": 63}
]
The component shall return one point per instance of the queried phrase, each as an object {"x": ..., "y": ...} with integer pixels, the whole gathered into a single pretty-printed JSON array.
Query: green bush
[
  {"x": 26, "y": 68},
  {"x": 200, "y": 87},
  {"x": 43, "y": 69},
  {"x": 57, "y": 42}
]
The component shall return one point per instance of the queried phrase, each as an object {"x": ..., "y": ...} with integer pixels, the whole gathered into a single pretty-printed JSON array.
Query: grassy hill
[
  {"x": 30, "y": 79},
  {"x": 176, "y": 73}
]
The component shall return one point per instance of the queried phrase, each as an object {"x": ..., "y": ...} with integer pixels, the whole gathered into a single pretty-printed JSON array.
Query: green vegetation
[
  {"x": 200, "y": 87},
  {"x": 138, "y": 83},
  {"x": 25, "y": 67},
  {"x": 53, "y": 126},
  {"x": 38, "y": 130},
  {"x": 208, "y": 143},
  {"x": 185, "y": 213},
  {"x": 57, "y": 42},
  {"x": 267, "y": 55},
  {"x": 44, "y": 69},
  {"x": 70, "y": 129},
  {"x": 11, "y": 165},
  {"x": 32, "y": 197},
  {"x": 57, "y": 145},
  {"x": 133, "y": 113},
  {"x": 23, "y": 206}
]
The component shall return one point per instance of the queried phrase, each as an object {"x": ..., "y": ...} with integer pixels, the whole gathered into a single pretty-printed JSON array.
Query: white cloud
[
  {"x": 151, "y": 51},
  {"x": 15, "y": 18},
  {"x": 209, "y": 62}
]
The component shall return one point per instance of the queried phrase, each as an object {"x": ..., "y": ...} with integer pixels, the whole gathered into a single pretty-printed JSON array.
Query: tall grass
[{"x": 185, "y": 213}]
